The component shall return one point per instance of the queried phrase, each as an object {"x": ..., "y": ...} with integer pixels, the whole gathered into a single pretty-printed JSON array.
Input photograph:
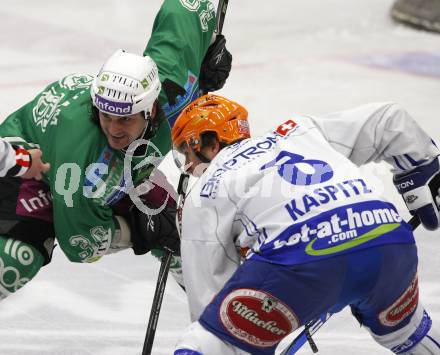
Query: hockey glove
[
  {"x": 152, "y": 231},
  {"x": 420, "y": 189},
  {"x": 215, "y": 66},
  {"x": 158, "y": 231}
]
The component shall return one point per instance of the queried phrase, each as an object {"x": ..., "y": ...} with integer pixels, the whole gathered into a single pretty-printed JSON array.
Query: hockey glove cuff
[
  {"x": 420, "y": 189},
  {"x": 156, "y": 231}
]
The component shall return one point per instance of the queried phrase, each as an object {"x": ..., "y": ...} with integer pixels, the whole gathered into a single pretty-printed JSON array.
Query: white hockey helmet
[{"x": 126, "y": 84}]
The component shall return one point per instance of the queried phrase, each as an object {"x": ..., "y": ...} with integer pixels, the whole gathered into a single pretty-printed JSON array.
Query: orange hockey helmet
[{"x": 210, "y": 113}]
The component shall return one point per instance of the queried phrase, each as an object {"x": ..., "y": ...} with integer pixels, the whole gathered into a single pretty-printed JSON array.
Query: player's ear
[
  {"x": 215, "y": 147},
  {"x": 212, "y": 148}
]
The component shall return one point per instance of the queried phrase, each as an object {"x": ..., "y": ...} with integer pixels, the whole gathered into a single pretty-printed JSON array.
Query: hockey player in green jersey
[{"x": 85, "y": 127}]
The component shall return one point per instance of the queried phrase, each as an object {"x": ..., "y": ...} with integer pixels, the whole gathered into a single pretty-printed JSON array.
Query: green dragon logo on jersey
[
  {"x": 204, "y": 8},
  {"x": 76, "y": 81},
  {"x": 51, "y": 101},
  {"x": 47, "y": 109}
]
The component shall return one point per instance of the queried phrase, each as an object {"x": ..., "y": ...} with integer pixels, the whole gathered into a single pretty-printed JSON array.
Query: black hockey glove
[
  {"x": 215, "y": 66},
  {"x": 158, "y": 231},
  {"x": 420, "y": 189}
]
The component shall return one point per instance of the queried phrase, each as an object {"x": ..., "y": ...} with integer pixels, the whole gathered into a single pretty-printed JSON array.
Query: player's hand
[
  {"x": 38, "y": 167},
  {"x": 420, "y": 189}
]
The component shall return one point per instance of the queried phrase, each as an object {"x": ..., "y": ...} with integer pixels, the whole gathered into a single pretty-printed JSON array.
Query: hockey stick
[
  {"x": 220, "y": 19},
  {"x": 313, "y": 326},
  {"x": 166, "y": 259},
  {"x": 221, "y": 14},
  {"x": 157, "y": 301}
]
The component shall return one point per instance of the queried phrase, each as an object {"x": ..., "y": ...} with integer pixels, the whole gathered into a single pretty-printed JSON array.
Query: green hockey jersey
[{"x": 87, "y": 176}]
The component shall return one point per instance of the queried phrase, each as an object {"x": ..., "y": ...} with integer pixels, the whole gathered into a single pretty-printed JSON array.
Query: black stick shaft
[
  {"x": 414, "y": 222},
  {"x": 157, "y": 302},
  {"x": 221, "y": 14}
]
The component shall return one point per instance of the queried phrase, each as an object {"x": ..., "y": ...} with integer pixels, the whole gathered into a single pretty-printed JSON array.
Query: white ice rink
[{"x": 303, "y": 56}]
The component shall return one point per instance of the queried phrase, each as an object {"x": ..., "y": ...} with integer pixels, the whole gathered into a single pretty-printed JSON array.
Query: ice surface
[{"x": 305, "y": 56}]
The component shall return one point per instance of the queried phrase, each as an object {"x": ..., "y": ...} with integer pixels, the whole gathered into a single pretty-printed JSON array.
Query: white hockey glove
[{"x": 420, "y": 189}]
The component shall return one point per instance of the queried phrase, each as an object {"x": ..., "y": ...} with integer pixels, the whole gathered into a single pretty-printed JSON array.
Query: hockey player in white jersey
[
  {"x": 319, "y": 237},
  {"x": 19, "y": 162}
]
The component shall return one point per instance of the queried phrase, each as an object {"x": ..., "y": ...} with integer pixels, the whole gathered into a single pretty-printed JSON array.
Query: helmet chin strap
[
  {"x": 202, "y": 158},
  {"x": 147, "y": 126}
]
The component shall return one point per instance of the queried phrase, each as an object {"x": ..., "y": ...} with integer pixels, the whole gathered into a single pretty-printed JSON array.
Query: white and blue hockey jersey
[{"x": 296, "y": 195}]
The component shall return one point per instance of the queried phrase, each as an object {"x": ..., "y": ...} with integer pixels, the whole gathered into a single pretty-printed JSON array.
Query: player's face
[
  {"x": 189, "y": 160},
  {"x": 122, "y": 131}
]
